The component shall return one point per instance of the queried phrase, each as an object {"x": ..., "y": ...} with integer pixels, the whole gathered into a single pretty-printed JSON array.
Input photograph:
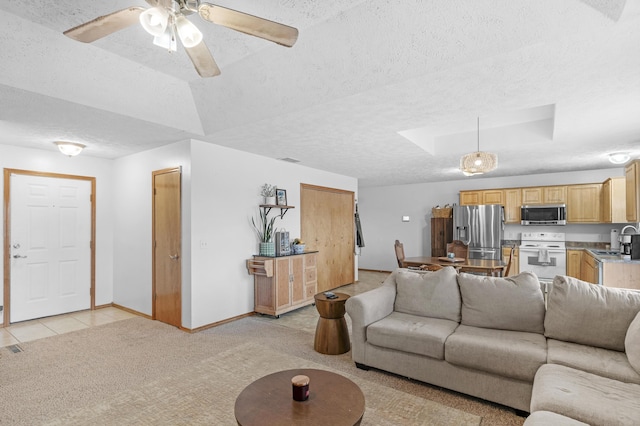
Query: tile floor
[{"x": 46, "y": 327}]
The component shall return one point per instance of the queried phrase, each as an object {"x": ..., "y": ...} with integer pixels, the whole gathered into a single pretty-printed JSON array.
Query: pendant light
[{"x": 479, "y": 162}]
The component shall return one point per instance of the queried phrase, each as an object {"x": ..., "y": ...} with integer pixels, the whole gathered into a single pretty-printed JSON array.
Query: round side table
[{"x": 332, "y": 334}]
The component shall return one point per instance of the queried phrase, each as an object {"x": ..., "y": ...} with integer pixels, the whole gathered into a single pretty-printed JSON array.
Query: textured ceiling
[{"x": 385, "y": 91}]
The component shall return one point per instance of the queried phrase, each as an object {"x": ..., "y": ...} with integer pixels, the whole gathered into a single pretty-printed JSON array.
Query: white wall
[
  {"x": 381, "y": 210},
  {"x": 225, "y": 195},
  {"x": 132, "y": 212},
  {"x": 50, "y": 160}
]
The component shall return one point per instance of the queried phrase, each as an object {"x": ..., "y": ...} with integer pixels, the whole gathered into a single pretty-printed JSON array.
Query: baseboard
[
  {"x": 131, "y": 311},
  {"x": 215, "y": 324}
]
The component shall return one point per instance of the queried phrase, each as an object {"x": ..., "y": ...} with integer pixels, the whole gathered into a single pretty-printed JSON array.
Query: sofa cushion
[
  {"x": 632, "y": 343},
  {"x": 514, "y": 354},
  {"x": 547, "y": 418},
  {"x": 585, "y": 397},
  {"x": 603, "y": 362},
  {"x": 589, "y": 314},
  {"x": 430, "y": 294},
  {"x": 411, "y": 333},
  {"x": 513, "y": 303}
]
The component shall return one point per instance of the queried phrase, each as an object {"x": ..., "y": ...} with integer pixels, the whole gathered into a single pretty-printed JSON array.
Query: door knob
[
  {"x": 174, "y": 257},
  {"x": 17, "y": 256}
]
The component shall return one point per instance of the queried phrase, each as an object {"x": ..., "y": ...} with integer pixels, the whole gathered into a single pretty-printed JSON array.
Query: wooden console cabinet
[{"x": 282, "y": 284}]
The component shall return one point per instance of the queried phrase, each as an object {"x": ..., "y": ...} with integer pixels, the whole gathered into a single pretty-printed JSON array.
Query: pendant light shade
[{"x": 479, "y": 162}]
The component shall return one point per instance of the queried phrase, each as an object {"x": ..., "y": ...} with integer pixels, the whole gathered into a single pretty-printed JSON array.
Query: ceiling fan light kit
[
  {"x": 190, "y": 35},
  {"x": 154, "y": 20},
  {"x": 479, "y": 162},
  {"x": 166, "y": 17}
]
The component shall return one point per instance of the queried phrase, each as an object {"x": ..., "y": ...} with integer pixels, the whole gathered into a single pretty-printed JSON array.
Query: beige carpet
[
  {"x": 139, "y": 371},
  {"x": 205, "y": 393}
]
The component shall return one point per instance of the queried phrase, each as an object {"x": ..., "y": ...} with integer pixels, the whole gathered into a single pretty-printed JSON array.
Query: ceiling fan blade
[
  {"x": 104, "y": 25},
  {"x": 202, "y": 60},
  {"x": 249, "y": 24}
]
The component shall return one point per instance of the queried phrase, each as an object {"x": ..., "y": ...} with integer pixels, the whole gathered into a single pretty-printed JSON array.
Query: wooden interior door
[
  {"x": 167, "y": 259},
  {"x": 327, "y": 225}
]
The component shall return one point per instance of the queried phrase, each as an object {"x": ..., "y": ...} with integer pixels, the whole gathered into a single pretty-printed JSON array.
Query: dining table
[{"x": 485, "y": 266}]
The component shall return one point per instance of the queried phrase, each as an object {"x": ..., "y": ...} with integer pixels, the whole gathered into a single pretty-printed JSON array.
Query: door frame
[{"x": 7, "y": 232}]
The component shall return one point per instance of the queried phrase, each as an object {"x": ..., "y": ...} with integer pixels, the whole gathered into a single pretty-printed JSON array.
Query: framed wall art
[{"x": 281, "y": 197}]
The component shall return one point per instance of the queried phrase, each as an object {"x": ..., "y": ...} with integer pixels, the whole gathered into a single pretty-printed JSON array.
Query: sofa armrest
[{"x": 365, "y": 309}]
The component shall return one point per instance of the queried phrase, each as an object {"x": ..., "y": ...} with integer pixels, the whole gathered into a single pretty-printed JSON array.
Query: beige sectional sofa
[{"x": 573, "y": 360}]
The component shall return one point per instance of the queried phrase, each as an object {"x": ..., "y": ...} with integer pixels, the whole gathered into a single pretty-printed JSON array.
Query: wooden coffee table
[
  {"x": 333, "y": 400},
  {"x": 332, "y": 334}
]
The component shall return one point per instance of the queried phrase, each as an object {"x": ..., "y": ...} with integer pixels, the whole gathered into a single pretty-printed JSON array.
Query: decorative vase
[
  {"x": 297, "y": 248},
  {"x": 267, "y": 249},
  {"x": 271, "y": 201}
]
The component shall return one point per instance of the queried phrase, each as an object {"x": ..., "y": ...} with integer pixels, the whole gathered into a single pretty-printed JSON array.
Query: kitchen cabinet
[
  {"x": 589, "y": 268},
  {"x": 544, "y": 195},
  {"x": 513, "y": 202},
  {"x": 441, "y": 234},
  {"x": 489, "y": 196},
  {"x": 574, "y": 263},
  {"x": 470, "y": 198},
  {"x": 515, "y": 266},
  {"x": 613, "y": 201},
  {"x": 282, "y": 284},
  {"x": 632, "y": 191},
  {"x": 583, "y": 203}
]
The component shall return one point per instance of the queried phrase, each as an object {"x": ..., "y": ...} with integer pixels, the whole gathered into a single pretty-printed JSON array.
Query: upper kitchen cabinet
[
  {"x": 513, "y": 202},
  {"x": 613, "y": 201},
  {"x": 544, "y": 195},
  {"x": 632, "y": 183},
  {"x": 583, "y": 203},
  {"x": 489, "y": 196}
]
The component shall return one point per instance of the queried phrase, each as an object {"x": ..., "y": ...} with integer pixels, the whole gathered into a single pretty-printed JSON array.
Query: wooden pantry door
[
  {"x": 167, "y": 254},
  {"x": 327, "y": 225}
]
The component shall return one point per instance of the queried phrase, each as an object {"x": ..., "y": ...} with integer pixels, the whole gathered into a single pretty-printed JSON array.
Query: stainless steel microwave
[{"x": 544, "y": 214}]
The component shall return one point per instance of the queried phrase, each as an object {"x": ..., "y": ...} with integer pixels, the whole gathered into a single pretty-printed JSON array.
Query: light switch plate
[{"x": 405, "y": 218}]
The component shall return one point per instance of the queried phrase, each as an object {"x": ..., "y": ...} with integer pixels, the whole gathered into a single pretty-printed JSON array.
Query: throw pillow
[
  {"x": 429, "y": 294},
  {"x": 589, "y": 314},
  {"x": 632, "y": 343},
  {"x": 513, "y": 303}
]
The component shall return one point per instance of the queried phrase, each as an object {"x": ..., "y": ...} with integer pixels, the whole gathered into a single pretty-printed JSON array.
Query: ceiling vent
[{"x": 289, "y": 160}]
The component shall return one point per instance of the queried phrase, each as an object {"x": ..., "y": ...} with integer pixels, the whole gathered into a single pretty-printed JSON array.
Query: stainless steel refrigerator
[{"x": 481, "y": 228}]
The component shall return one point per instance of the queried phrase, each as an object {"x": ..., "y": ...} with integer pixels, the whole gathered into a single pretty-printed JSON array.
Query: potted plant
[
  {"x": 264, "y": 230},
  {"x": 269, "y": 194}
]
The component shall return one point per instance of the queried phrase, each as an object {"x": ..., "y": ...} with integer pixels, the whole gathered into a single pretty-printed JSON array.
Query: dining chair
[
  {"x": 510, "y": 262},
  {"x": 399, "y": 248},
  {"x": 458, "y": 248}
]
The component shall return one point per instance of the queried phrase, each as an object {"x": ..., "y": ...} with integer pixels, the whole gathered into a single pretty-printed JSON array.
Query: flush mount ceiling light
[
  {"x": 70, "y": 148},
  {"x": 477, "y": 163},
  {"x": 619, "y": 157}
]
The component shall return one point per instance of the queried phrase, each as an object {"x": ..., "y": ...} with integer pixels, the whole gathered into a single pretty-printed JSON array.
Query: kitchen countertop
[{"x": 610, "y": 258}]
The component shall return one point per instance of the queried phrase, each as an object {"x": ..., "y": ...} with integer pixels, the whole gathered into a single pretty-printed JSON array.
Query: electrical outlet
[{"x": 204, "y": 244}]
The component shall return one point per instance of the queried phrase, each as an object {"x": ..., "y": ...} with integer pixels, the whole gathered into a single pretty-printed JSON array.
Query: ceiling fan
[{"x": 167, "y": 18}]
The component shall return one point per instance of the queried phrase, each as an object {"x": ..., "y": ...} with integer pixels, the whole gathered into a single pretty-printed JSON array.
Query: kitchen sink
[{"x": 605, "y": 252}]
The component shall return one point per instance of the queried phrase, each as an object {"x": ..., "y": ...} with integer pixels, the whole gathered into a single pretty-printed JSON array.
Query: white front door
[{"x": 50, "y": 246}]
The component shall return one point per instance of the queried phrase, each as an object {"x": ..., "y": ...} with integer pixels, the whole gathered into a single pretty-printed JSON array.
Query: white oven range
[{"x": 544, "y": 254}]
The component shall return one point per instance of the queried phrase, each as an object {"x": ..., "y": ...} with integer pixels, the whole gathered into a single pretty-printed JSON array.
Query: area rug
[
  {"x": 205, "y": 393},
  {"x": 140, "y": 372}
]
